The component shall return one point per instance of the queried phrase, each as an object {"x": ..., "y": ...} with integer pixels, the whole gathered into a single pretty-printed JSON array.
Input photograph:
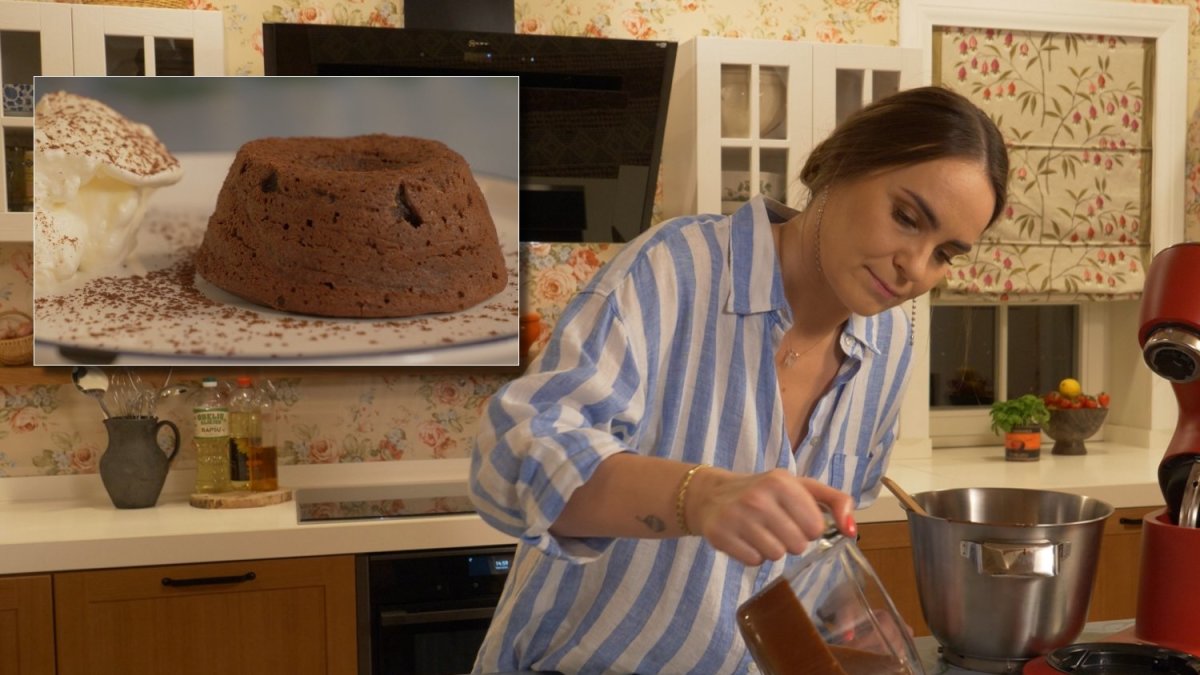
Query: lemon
[{"x": 1070, "y": 388}]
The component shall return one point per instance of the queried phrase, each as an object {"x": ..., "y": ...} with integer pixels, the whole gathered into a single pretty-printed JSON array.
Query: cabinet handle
[
  {"x": 399, "y": 617},
  {"x": 1130, "y": 521},
  {"x": 209, "y": 581}
]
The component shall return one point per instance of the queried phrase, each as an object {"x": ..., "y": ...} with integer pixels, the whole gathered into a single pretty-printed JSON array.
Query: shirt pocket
[{"x": 850, "y": 473}]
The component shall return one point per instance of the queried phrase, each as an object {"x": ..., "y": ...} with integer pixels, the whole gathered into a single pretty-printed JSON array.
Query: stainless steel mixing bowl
[{"x": 1005, "y": 574}]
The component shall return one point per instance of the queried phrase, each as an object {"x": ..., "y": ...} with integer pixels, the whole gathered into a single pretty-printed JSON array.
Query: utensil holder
[{"x": 134, "y": 467}]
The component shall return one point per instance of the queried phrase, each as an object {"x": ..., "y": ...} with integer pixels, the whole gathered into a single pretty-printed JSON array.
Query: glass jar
[{"x": 828, "y": 613}]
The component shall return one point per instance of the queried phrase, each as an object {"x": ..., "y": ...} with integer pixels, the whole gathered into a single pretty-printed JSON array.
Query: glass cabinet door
[
  {"x": 848, "y": 77},
  {"x": 751, "y": 121},
  {"x": 147, "y": 41},
  {"x": 35, "y": 39},
  {"x": 20, "y": 60},
  {"x": 754, "y": 132},
  {"x": 745, "y": 114}
]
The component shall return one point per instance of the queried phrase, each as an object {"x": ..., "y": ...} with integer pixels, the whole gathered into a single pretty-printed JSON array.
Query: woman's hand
[{"x": 763, "y": 516}]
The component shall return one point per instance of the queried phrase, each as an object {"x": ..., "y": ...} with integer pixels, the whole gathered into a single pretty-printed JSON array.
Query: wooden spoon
[{"x": 905, "y": 498}]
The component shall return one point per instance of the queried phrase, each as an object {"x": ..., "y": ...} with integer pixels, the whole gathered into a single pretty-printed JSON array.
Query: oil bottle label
[{"x": 212, "y": 423}]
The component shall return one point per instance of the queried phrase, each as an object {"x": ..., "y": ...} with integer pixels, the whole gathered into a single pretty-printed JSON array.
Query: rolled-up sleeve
[{"x": 544, "y": 434}]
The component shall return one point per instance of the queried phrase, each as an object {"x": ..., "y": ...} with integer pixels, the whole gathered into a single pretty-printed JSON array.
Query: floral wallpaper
[
  {"x": 383, "y": 418},
  {"x": 1072, "y": 108},
  {"x": 865, "y": 21},
  {"x": 50, "y": 430},
  {"x": 551, "y": 275}
]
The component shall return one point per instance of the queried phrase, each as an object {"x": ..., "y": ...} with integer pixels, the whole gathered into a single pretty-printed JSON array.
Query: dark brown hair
[{"x": 906, "y": 128}]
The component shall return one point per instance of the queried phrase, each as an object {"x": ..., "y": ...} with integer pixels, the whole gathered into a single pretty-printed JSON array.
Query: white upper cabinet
[
  {"x": 724, "y": 145},
  {"x": 141, "y": 41},
  {"x": 47, "y": 38}
]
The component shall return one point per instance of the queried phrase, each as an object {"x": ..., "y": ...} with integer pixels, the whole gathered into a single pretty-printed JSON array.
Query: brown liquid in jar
[{"x": 784, "y": 641}]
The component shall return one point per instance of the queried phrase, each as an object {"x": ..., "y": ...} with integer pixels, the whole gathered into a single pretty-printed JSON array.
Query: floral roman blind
[{"x": 1074, "y": 110}]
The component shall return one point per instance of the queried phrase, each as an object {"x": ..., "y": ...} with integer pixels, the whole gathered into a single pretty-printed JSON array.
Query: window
[
  {"x": 1143, "y": 410},
  {"x": 984, "y": 353}
]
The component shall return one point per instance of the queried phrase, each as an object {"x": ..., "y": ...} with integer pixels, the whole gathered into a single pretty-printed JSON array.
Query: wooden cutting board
[{"x": 239, "y": 499}]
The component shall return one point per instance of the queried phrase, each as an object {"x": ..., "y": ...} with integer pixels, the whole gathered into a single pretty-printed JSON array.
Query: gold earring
[
  {"x": 820, "y": 217},
  {"x": 912, "y": 332}
]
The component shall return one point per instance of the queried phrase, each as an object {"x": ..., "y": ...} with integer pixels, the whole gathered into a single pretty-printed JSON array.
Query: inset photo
[{"x": 276, "y": 220}]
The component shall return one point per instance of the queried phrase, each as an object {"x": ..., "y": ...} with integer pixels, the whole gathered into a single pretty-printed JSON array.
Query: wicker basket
[{"x": 16, "y": 351}]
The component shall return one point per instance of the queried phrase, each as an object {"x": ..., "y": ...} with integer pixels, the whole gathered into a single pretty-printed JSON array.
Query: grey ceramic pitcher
[{"x": 134, "y": 467}]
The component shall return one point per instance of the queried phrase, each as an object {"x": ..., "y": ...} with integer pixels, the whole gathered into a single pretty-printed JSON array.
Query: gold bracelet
[{"x": 681, "y": 498}]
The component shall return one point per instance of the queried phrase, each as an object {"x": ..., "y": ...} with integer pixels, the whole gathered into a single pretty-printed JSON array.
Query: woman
[{"x": 715, "y": 387}]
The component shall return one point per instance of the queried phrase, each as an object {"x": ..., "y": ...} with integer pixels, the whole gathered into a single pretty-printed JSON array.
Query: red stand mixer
[
  {"x": 1168, "y": 612},
  {"x": 1167, "y": 629}
]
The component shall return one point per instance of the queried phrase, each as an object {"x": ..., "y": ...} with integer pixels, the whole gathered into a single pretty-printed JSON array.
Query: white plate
[{"x": 152, "y": 311}]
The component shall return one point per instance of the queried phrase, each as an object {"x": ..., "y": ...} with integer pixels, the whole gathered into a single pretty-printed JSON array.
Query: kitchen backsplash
[
  {"x": 55, "y": 430},
  {"x": 551, "y": 274}
]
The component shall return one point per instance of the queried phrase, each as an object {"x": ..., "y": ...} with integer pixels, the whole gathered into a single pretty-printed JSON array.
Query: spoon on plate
[
  {"x": 92, "y": 382},
  {"x": 905, "y": 498}
]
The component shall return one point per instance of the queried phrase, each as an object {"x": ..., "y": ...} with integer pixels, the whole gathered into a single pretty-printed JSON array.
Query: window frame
[
  {"x": 971, "y": 426},
  {"x": 1146, "y": 416}
]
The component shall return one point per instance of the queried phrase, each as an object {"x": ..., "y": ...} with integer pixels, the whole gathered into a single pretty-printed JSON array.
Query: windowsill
[{"x": 1121, "y": 475}]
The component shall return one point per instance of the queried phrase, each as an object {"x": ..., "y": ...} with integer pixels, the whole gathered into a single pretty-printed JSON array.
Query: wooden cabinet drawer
[
  {"x": 267, "y": 616},
  {"x": 26, "y": 625},
  {"x": 1114, "y": 594}
]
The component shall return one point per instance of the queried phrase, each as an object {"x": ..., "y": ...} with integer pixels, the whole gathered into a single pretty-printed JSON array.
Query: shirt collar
[
  {"x": 864, "y": 330},
  {"x": 752, "y": 252}
]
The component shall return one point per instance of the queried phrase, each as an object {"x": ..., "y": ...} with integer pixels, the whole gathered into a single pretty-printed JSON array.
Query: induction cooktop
[{"x": 377, "y": 502}]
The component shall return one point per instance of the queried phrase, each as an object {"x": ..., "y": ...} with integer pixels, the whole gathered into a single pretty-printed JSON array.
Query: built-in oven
[
  {"x": 427, "y": 611},
  {"x": 423, "y": 612}
]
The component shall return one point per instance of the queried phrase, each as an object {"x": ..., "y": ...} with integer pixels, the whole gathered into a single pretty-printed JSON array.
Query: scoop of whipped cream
[{"x": 94, "y": 172}]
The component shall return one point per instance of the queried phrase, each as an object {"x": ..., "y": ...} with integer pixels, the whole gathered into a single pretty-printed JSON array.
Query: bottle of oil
[
  {"x": 210, "y": 414},
  {"x": 264, "y": 471},
  {"x": 244, "y": 432}
]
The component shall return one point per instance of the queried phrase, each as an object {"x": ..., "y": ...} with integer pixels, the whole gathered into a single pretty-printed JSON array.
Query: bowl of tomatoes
[{"x": 1074, "y": 417}]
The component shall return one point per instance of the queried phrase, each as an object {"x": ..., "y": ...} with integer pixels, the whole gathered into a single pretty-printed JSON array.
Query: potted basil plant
[{"x": 1020, "y": 420}]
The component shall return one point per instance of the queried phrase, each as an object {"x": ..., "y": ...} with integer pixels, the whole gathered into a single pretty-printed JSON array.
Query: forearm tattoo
[{"x": 654, "y": 523}]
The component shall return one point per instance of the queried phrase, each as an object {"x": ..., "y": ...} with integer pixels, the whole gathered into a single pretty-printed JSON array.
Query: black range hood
[{"x": 490, "y": 16}]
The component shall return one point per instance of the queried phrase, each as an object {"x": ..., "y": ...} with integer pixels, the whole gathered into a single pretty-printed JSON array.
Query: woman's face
[{"x": 888, "y": 237}]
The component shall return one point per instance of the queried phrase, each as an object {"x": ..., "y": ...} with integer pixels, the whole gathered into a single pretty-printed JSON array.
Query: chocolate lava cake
[{"x": 368, "y": 226}]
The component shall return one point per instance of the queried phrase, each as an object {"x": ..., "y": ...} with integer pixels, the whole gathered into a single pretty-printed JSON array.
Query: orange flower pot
[{"x": 1023, "y": 444}]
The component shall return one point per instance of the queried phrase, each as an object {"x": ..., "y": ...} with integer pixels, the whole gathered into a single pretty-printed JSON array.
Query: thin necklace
[
  {"x": 790, "y": 356},
  {"x": 789, "y": 359}
]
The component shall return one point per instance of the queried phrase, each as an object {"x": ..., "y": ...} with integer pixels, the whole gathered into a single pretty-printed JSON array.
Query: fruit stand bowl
[{"x": 1070, "y": 427}]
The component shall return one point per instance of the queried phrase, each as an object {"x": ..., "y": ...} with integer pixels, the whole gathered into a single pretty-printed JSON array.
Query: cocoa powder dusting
[
  {"x": 164, "y": 311},
  {"x": 80, "y": 126}
]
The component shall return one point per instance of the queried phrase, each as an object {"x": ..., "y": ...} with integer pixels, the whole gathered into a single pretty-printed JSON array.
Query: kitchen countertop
[
  {"x": 1118, "y": 474},
  {"x": 68, "y": 522},
  {"x": 55, "y": 523}
]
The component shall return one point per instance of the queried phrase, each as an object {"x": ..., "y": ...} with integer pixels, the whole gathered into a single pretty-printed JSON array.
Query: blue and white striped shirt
[{"x": 669, "y": 351}]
